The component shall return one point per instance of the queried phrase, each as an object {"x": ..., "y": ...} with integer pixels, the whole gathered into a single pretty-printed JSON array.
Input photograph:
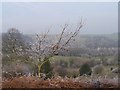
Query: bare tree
[{"x": 42, "y": 50}]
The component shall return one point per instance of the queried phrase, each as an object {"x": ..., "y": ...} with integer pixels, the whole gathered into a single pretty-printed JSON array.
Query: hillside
[{"x": 88, "y": 44}]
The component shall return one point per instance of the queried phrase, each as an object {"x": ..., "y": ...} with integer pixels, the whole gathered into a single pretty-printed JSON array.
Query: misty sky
[{"x": 101, "y": 18}]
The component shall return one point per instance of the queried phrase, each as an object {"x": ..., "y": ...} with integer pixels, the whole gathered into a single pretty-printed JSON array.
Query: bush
[
  {"x": 47, "y": 69},
  {"x": 61, "y": 71},
  {"x": 63, "y": 64},
  {"x": 85, "y": 69},
  {"x": 73, "y": 74},
  {"x": 17, "y": 69},
  {"x": 98, "y": 69}
]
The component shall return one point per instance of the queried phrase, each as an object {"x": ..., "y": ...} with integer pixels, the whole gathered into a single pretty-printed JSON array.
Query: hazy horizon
[{"x": 29, "y": 18}]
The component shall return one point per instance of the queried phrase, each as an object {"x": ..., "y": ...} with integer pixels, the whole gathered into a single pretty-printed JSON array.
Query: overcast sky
[{"x": 101, "y": 18}]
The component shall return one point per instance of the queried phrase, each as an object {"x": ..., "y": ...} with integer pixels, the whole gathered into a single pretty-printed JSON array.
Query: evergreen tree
[
  {"x": 47, "y": 69},
  {"x": 85, "y": 69}
]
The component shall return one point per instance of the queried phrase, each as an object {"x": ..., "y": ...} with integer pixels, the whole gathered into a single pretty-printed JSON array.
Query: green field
[{"x": 73, "y": 70}]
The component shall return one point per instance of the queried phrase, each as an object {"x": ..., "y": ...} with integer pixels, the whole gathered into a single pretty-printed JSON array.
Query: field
[
  {"x": 77, "y": 62},
  {"x": 104, "y": 80}
]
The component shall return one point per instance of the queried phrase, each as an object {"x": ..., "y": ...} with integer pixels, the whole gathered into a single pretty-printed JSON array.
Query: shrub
[
  {"x": 85, "y": 69},
  {"x": 98, "y": 69},
  {"x": 63, "y": 64},
  {"x": 47, "y": 69},
  {"x": 73, "y": 74},
  {"x": 61, "y": 71}
]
